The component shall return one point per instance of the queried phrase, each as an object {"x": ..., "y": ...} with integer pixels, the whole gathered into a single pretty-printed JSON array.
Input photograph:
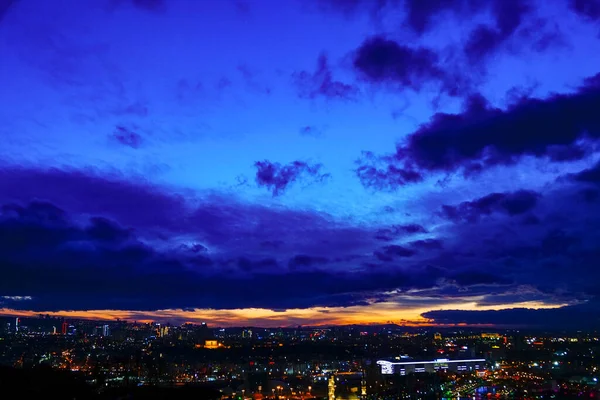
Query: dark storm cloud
[
  {"x": 304, "y": 261},
  {"x": 105, "y": 230},
  {"x": 427, "y": 244},
  {"x": 64, "y": 266},
  {"x": 395, "y": 231},
  {"x": 248, "y": 265},
  {"x": 43, "y": 252},
  {"x": 473, "y": 277},
  {"x": 515, "y": 203},
  {"x": 92, "y": 236},
  {"x": 127, "y": 137},
  {"x": 508, "y": 15},
  {"x": 87, "y": 239},
  {"x": 381, "y": 60},
  {"x": 586, "y": 8},
  {"x": 562, "y": 127},
  {"x": 277, "y": 178},
  {"x": 156, "y": 212},
  {"x": 589, "y": 175},
  {"x": 382, "y": 173},
  {"x": 392, "y": 252},
  {"x": 321, "y": 83},
  {"x": 584, "y": 316}
]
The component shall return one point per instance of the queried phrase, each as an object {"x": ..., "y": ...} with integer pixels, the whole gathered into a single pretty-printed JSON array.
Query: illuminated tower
[
  {"x": 17, "y": 324},
  {"x": 331, "y": 387},
  {"x": 363, "y": 385}
]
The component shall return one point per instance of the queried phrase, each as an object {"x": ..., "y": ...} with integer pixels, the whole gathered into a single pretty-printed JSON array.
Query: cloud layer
[{"x": 558, "y": 128}]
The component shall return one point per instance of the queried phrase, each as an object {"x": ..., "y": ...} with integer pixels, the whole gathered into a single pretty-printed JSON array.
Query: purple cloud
[
  {"x": 559, "y": 128},
  {"x": 392, "y": 252},
  {"x": 127, "y": 137},
  {"x": 589, "y": 175},
  {"x": 427, "y": 244},
  {"x": 304, "y": 261},
  {"x": 584, "y": 316},
  {"x": 66, "y": 265},
  {"x": 321, "y": 83},
  {"x": 380, "y": 60},
  {"x": 515, "y": 203},
  {"x": 277, "y": 178},
  {"x": 508, "y": 16},
  {"x": 88, "y": 235},
  {"x": 395, "y": 231},
  {"x": 586, "y": 8}
]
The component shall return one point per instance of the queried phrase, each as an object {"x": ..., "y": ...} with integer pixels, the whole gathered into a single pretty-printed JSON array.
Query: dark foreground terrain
[{"x": 39, "y": 383}]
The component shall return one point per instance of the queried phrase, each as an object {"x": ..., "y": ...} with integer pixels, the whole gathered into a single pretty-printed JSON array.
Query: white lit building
[{"x": 441, "y": 364}]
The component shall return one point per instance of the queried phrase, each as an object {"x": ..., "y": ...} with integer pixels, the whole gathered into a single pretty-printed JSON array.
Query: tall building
[
  {"x": 363, "y": 385},
  {"x": 331, "y": 387},
  {"x": 65, "y": 328},
  {"x": 105, "y": 330},
  {"x": 17, "y": 320},
  {"x": 163, "y": 331}
]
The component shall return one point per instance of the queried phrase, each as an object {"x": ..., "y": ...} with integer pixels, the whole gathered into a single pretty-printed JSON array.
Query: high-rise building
[
  {"x": 363, "y": 385},
  {"x": 105, "y": 330},
  {"x": 65, "y": 328},
  {"x": 331, "y": 387},
  {"x": 163, "y": 331},
  {"x": 17, "y": 320}
]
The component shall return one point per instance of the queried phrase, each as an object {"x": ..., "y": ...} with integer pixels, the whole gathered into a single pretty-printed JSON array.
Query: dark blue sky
[{"x": 318, "y": 161}]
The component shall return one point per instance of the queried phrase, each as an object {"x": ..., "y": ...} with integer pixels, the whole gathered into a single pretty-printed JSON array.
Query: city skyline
[{"x": 314, "y": 162}]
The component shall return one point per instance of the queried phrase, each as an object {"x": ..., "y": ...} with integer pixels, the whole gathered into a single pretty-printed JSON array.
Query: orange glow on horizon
[{"x": 377, "y": 313}]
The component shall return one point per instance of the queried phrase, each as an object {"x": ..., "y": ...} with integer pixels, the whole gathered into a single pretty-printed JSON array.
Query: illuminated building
[
  {"x": 17, "y": 324},
  {"x": 163, "y": 331},
  {"x": 210, "y": 344},
  {"x": 440, "y": 364},
  {"x": 437, "y": 336},
  {"x": 363, "y": 385},
  {"x": 105, "y": 330},
  {"x": 65, "y": 328},
  {"x": 331, "y": 387},
  {"x": 485, "y": 335}
]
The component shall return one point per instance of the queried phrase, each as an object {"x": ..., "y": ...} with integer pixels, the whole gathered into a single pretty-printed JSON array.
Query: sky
[{"x": 308, "y": 162}]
